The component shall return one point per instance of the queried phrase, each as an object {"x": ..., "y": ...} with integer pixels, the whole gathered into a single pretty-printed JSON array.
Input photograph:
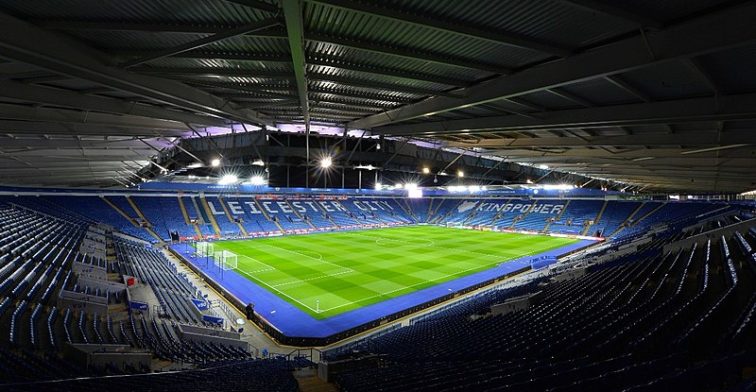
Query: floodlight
[
  {"x": 460, "y": 173},
  {"x": 544, "y": 167},
  {"x": 257, "y": 180},
  {"x": 378, "y": 186},
  {"x": 426, "y": 170},
  {"x": 326, "y": 162},
  {"x": 215, "y": 162},
  {"x": 258, "y": 162},
  {"x": 228, "y": 179},
  {"x": 410, "y": 186}
]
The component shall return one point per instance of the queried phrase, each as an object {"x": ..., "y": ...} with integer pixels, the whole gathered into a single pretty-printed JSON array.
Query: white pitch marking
[
  {"x": 417, "y": 284},
  {"x": 309, "y": 279},
  {"x": 279, "y": 291},
  {"x": 321, "y": 259}
]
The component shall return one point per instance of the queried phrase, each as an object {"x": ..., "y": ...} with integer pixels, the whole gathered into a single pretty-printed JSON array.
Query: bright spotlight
[
  {"x": 410, "y": 186},
  {"x": 228, "y": 179},
  {"x": 460, "y": 173},
  {"x": 326, "y": 162},
  {"x": 378, "y": 186},
  {"x": 215, "y": 162},
  {"x": 257, "y": 180},
  {"x": 378, "y": 146},
  {"x": 258, "y": 162},
  {"x": 529, "y": 181},
  {"x": 426, "y": 170}
]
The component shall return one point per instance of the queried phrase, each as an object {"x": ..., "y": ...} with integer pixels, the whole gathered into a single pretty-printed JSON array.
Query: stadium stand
[
  {"x": 367, "y": 195},
  {"x": 615, "y": 325}
]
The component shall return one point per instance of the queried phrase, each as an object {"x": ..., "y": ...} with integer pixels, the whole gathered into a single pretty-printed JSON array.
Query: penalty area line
[{"x": 281, "y": 293}]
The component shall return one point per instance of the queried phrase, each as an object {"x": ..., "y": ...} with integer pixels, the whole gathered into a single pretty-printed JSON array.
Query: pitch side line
[
  {"x": 280, "y": 292},
  {"x": 321, "y": 259},
  {"x": 377, "y": 239},
  {"x": 309, "y": 279},
  {"x": 270, "y": 267},
  {"x": 417, "y": 284}
]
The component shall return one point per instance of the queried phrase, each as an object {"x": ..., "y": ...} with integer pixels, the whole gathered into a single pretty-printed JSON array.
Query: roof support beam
[
  {"x": 65, "y": 98},
  {"x": 439, "y": 24},
  {"x": 55, "y": 128},
  {"x": 571, "y": 97},
  {"x": 295, "y": 29},
  {"x": 617, "y": 12},
  {"x": 248, "y": 28},
  {"x": 624, "y": 85},
  {"x": 212, "y": 72},
  {"x": 128, "y": 122},
  {"x": 27, "y": 43},
  {"x": 728, "y": 28},
  {"x": 409, "y": 53},
  {"x": 662, "y": 112},
  {"x": 394, "y": 73},
  {"x": 684, "y": 138},
  {"x": 256, "y": 4},
  {"x": 378, "y": 85}
]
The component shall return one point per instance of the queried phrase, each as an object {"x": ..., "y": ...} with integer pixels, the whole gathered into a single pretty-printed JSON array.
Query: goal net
[
  {"x": 225, "y": 260},
  {"x": 204, "y": 249}
]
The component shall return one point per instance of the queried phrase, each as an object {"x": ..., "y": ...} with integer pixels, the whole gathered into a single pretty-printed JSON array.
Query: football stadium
[{"x": 366, "y": 195}]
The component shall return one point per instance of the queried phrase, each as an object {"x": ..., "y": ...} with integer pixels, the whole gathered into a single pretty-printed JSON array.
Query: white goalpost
[
  {"x": 204, "y": 249},
  {"x": 225, "y": 260}
]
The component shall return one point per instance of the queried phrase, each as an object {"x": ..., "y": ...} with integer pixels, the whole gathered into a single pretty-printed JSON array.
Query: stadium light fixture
[
  {"x": 378, "y": 186},
  {"x": 258, "y": 162},
  {"x": 378, "y": 146},
  {"x": 410, "y": 186},
  {"x": 529, "y": 181},
  {"x": 558, "y": 187},
  {"x": 215, "y": 162},
  {"x": 326, "y": 162},
  {"x": 257, "y": 180},
  {"x": 442, "y": 173},
  {"x": 460, "y": 173},
  {"x": 228, "y": 179},
  {"x": 426, "y": 170}
]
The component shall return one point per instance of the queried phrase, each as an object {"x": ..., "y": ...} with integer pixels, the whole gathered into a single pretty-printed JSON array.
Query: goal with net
[
  {"x": 225, "y": 260},
  {"x": 204, "y": 249}
]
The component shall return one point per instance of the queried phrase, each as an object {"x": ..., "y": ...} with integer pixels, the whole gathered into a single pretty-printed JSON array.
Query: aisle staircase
[
  {"x": 598, "y": 218},
  {"x": 209, "y": 214},
  {"x": 628, "y": 219},
  {"x": 558, "y": 217},
  {"x": 231, "y": 217},
  {"x": 144, "y": 219},
  {"x": 406, "y": 208},
  {"x": 298, "y": 215},
  {"x": 265, "y": 214},
  {"x": 650, "y": 213},
  {"x": 187, "y": 219}
]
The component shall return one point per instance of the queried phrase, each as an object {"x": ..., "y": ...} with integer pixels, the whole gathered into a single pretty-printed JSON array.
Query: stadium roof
[{"x": 660, "y": 94}]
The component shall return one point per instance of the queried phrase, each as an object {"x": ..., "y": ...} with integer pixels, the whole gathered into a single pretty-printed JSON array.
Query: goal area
[
  {"x": 204, "y": 249},
  {"x": 225, "y": 260}
]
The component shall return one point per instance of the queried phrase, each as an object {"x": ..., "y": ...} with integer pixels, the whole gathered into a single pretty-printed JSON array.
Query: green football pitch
[{"x": 330, "y": 273}]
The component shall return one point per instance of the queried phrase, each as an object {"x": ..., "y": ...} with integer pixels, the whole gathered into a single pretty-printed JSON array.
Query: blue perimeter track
[{"x": 293, "y": 322}]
